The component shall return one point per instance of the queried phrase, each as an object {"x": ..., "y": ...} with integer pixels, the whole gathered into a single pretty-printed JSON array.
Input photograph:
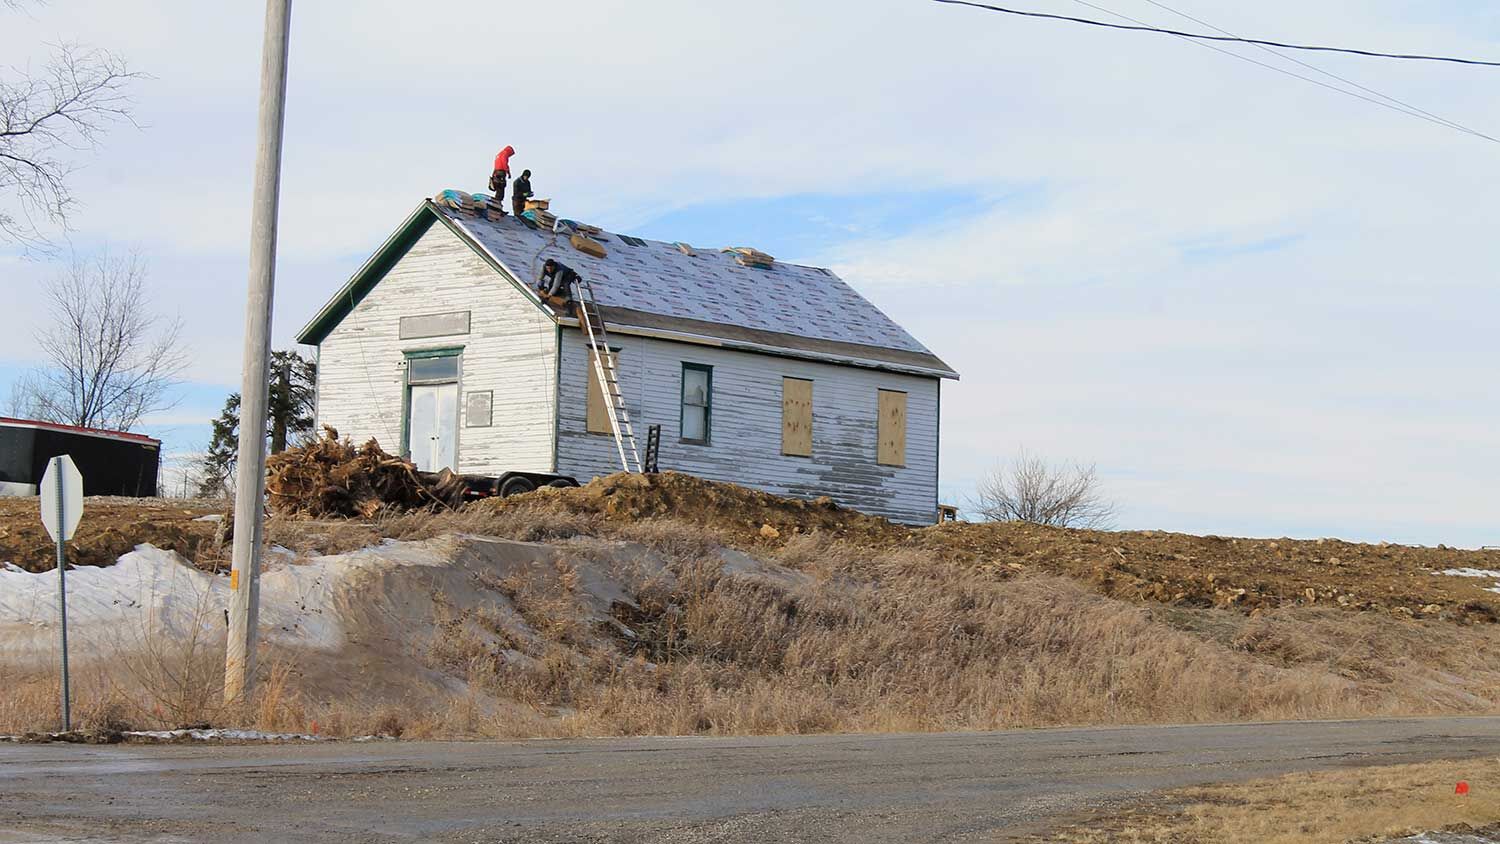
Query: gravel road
[{"x": 909, "y": 788}]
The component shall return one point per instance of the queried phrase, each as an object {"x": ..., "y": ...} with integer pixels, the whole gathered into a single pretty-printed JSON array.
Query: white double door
[{"x": 432, "y": 426}]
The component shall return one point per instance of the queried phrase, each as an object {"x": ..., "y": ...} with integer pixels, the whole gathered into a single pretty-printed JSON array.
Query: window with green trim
[
  {"x": 697, "y": 403},
  {"x": 432, "y": 369}
]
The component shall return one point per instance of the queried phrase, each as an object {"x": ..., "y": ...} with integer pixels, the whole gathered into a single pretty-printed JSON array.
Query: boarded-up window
[
  {"x": 434, "y": 325},
  {"x": 479, "y": 409},
  {"x": 892, "y": 428},
  {"x": 598, "y": 414},
  {"x": 796, "y": 417}
]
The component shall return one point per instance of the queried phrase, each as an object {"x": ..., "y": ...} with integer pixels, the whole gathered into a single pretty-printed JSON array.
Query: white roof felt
[{"x": 709, "y": 286}]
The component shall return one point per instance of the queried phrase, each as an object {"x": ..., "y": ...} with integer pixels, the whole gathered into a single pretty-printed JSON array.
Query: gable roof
[{"x": 652, "y": 287}]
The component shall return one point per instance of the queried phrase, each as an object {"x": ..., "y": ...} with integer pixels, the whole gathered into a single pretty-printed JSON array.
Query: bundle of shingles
[
  {"x": 747, "y": 257},
  {"x": 330, "y": 477},
  {"x": 537, "y": 212},
  {"x": 456, "y": 199}
]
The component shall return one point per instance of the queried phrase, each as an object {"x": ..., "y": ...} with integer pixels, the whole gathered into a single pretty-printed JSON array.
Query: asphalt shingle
[{"x": 709, "y": 286}]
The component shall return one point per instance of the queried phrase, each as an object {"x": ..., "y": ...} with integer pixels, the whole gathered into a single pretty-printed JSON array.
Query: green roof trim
[
  {"x": 393, "y": 250},
  {"x": 365, "y": 279}
]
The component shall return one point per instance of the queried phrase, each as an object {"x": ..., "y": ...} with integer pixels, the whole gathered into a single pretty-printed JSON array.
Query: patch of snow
[
  {"x": 212, "y": 517},
  {"x": 1476, "y": 573},
  {"x": 152, "y": 594},
  {"x": 9, "y": 566},
  {"x": 1447, "y": 838},
  {"x": 377, "y": 604},
  {"x": 220, "y": 735}
]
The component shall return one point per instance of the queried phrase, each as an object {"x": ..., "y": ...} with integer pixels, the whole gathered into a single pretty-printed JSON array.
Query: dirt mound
[
  {"x": 330, "y": 477},
  {"x": 743, "y": 516},
  {"x": 110, "y": 528},
  {"x": 1151, "y": 567},
  {"x": 1142, "y": 566},
  {"x": 1246, "y": 574}
]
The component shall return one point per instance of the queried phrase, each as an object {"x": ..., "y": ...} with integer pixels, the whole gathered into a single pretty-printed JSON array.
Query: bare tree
[
  {"x": 46, "y": 116},
  {"x": 110, "y": 360},
  {"x": 1029, "y": 489}
]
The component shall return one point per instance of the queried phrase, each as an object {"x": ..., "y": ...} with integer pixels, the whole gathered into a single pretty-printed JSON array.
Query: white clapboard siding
[
  {"x": 745, "y": 446},
  {"x": 510, "y": 349}
]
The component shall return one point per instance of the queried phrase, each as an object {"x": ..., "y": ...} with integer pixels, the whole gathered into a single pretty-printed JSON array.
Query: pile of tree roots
[{"x": 329, "y": 477}]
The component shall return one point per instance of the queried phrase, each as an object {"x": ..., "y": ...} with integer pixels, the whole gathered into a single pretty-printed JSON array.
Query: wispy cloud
[{"x": 1263, "y": 305}]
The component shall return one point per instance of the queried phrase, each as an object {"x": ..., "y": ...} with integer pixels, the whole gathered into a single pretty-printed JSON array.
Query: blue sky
[{"x": 1259, "y": 306}]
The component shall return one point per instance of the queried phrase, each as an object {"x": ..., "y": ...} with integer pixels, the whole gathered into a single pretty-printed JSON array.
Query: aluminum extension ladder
[{"x": 608, "y": 375}]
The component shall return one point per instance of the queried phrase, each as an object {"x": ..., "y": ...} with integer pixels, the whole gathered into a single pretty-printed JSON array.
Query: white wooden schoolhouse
[{"x": 777, "y": 377}]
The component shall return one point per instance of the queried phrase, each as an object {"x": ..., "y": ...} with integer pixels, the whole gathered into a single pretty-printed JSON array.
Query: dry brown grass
[
  {"x": 846, "y": 639},
  {"x": 838, "y": 635},
  {"x": 1332, "y": 807}
]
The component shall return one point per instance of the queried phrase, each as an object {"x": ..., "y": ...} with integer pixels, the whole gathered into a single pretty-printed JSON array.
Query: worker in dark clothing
[
  {"x": 501, "y": 174},
  {"x": 557, "y": 281},
  {"x": 520, "y": 192}
]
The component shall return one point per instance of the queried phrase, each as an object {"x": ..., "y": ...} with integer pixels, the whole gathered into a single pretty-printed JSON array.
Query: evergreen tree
[
  {"x": 290, "y": 405},
  {"x": 223, "y": 451},
  {"x": 289, "y": 412}
]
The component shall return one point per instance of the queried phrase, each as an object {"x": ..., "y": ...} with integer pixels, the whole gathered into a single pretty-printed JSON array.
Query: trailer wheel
[
  {"x": 562, "y": 483},
  {"x": 516, "y": 486}
]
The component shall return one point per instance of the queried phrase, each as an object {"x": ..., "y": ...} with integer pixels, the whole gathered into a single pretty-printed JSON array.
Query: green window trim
[
  {"x": 406, "y": 359},
  {"x": 445, "y": 352},
  {"x": 708, "y": 404}
]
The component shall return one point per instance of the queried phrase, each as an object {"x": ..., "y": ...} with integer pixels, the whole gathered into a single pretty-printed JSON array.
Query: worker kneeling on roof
[{"x": 557, "y": 280}]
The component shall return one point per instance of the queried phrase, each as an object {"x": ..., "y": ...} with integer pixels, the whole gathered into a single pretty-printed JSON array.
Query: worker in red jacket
[{"x": 501, "y": 174}]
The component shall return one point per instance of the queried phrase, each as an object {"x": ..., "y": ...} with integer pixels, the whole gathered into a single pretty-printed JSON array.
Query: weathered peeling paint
[
  {"x": 745, "y": 445},
  {"x": 510, "y": 349}
]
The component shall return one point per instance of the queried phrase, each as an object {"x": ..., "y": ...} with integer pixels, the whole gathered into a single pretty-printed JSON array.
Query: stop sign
[{"x": 62, "y": 498}]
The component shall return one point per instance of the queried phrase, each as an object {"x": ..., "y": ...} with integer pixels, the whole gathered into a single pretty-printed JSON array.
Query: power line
[
  {"x": 1409, "y": 111},
  {"x": 1329, "y": 74},
  {"x": 1233, "y": 39}
]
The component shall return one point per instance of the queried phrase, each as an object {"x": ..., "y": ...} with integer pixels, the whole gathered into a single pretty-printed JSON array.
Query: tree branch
[{"x": 65, "y": 107}]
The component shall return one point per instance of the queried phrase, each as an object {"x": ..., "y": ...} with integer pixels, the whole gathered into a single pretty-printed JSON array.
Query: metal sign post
[{"x": 62, "y": 507}]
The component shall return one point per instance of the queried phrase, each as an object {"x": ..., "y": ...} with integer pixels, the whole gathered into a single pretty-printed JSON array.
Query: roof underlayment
[{"x": 656, "y": 287}]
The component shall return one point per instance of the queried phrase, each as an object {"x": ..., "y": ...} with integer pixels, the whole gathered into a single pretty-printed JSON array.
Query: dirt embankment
[
  {"x": 111, "y": 527},
  {"x": 1153, "y": 567},
  {"x": 1146, "y": 566},
  {"x": 740, "y": 516},
  {"x": 1247, "y": 574},
  {"x": 617, "y": 609}
]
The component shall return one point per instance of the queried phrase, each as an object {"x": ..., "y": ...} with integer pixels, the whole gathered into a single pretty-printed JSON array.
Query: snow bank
[
  {"x": 149, "y": 591},
  {"x": 152, "y": 595},
  {"x": 380, "y": 604}
]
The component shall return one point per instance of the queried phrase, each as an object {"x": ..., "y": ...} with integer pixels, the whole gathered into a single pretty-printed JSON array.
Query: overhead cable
[
  {"x": 1433, "y": 119},
  {"x": 1226, "y": 38},
  {"x": 1314, "y": 68}
]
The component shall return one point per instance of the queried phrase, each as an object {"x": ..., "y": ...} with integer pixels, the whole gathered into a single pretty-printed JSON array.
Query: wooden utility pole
[{"x": 250, "y": 486}]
